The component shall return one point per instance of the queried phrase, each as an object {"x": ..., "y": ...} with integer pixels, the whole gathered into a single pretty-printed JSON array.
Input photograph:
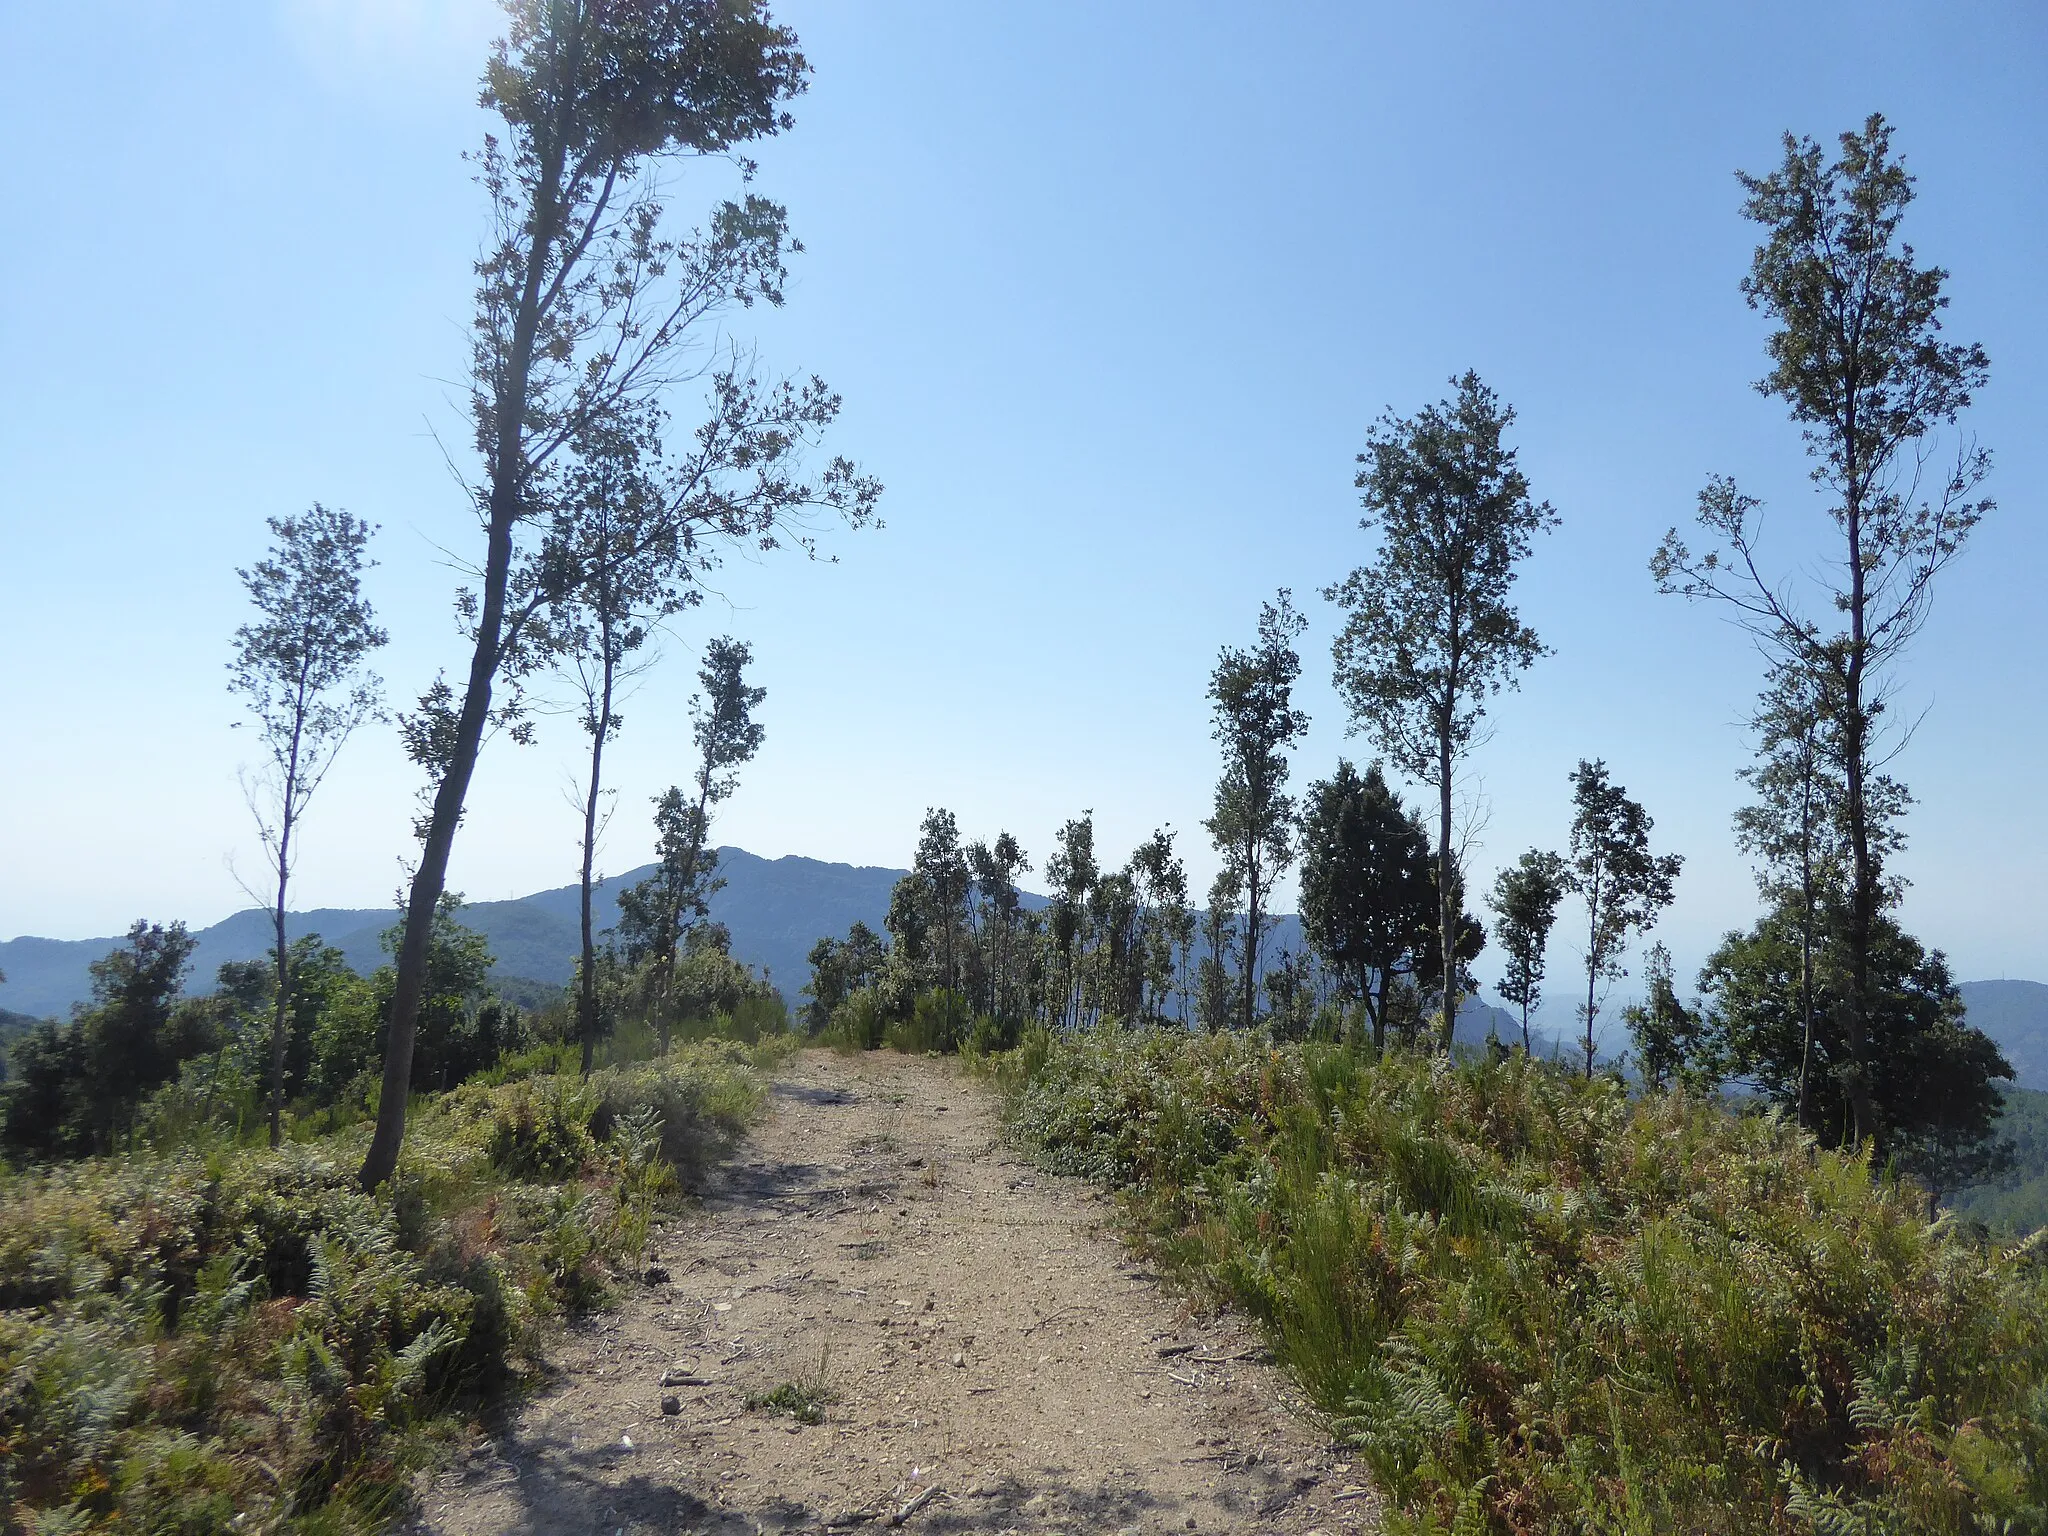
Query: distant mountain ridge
[{"x": 776, "y": 910}]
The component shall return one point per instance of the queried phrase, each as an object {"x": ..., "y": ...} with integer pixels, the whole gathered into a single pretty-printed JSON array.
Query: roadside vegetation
[
  {"x": 201, "y": 1329},
  {"x": 197, "y": 1327},
  {"x": 1537, "y": 1303}
]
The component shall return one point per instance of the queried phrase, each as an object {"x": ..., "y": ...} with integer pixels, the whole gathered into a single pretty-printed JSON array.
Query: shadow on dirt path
[{"x": 952, "y": 1340}]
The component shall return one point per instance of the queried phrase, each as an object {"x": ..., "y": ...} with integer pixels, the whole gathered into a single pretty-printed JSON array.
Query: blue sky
[{"x": 1112, "y": 293}]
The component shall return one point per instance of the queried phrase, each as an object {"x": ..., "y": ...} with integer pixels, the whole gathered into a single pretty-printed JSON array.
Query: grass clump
[
  {"x": 799, "y": 1400},
  {"x": 190, "y": 1335},
  {"x": 803, "y": 1400},
  {"x": 1537, "y": 1304}
]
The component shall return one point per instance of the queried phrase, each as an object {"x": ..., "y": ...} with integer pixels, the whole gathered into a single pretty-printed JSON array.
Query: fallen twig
[{"x": 916, "y": 1503}]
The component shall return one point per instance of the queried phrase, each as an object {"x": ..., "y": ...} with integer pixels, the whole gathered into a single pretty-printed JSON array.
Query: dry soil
[{"x": 990, "y": 1358}]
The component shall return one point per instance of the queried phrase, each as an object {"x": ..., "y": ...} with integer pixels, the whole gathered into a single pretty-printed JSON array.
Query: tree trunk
[
  {"x": 586, "y": 992},
  {"x": 506, "y": 504},
  {"x": 287, "y": 820},
  {"x": 1446, "y": 900},
  {"x": 1593, "y": 960},
  {"x": 280, "y": 1019},
  {"x": 1806, "y": 929},
  {"x": 431, "y": 878},
  {"x": 1863, "y": 895},
  {"x": 1251, "y": 934}
]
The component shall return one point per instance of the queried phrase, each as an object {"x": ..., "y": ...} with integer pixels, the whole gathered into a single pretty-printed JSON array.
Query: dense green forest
[
  {"x": 260, "y": 1248},
  {"x": 2015, "y": 1200}
]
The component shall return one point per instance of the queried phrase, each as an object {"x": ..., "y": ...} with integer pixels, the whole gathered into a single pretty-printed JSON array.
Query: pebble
[{"x": 671, "y": 1405}]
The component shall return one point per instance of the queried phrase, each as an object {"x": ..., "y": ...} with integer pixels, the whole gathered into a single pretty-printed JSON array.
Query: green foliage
[
  {"x": 840, "y": 968},
  {"x": 937, "y": 1021},
  {"x": 1368, "y": 889},
  {"x": 1254, "y": 721},
  {"x": 1536, "y": 1304},
  {"x": 1625, "y": 886},
  {"x": 803, "y": 1400},
  {"x": 1429, "y": 633},
  {"x": 2016, "y": 1201},
  {"x": 701, "y": 1095},
  {"x": 76, "y": 1087},
  {"x": 1858, "y": 359},
  {"x": 1668, "y": 1035},
  {"x": 540, "y": 1128},
  {"x": 796, "y": 1399},
  {"x": 858, "y": 1023},
  {"x": 1524, "y": 901},
  {"x": 1930, "y": 1075},
  {"x": 188, "y": 1338}
]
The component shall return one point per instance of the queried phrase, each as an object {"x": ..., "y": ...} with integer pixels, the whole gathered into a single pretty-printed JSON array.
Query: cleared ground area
[{"x": 933, "y": 1336}]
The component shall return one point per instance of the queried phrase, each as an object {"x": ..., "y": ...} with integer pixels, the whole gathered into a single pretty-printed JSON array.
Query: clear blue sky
[{"x": 1112, "y": 293}]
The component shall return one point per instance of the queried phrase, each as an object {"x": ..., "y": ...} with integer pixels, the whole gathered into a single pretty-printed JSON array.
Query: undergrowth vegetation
[
  {"x": 192, "y": 1335},
  {"x": 1535, "y": 1303}
]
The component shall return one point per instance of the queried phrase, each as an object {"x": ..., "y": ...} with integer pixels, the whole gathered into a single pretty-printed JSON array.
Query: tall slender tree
[
  {"x": 1073, "y": 871},
  {"x": 586, "y": 312},
  {"x": 1525, "y": 898},
  {"x": 1858, "y": 359},
  {"x": 1165, "y": 925},
  {"x": 1624, "y": 885},
  {"x": 1214, "y": 1003},
  {"x": 655, "y": 915},
  {"x": 1797, "y": 830},
  {"x": 302, "y": 669},
  {"x": 1430, "y": 634},
  {"x": 995, "y": 868},
  {"x": 1670, "y": 1038},
  {"x": 942, "y": 867},
  {"x": 1256, "y": 724},
  {"x": 633, "y": 580}
]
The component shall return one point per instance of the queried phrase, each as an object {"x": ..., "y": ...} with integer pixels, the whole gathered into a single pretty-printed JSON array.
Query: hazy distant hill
[
  {"x": 2015, "y": 1014},
  {"x": 777, "y": 909}
]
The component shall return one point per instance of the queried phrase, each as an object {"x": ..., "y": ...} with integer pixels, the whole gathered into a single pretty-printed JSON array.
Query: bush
[
  {"x": 1534, "y": 1303},
  {"x": 704, "y": 1095},
  {"x": 937, "y": 1021},
  {"x": 189, "y": 1338},
  {"x": 185, "y": 1337},
  {"x": 857, "y": 1024},
  {"x": 540, "y": 1128}
]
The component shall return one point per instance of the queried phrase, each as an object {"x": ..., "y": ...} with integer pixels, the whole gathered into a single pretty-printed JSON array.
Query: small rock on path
[{"x": 991, "y": 1359}]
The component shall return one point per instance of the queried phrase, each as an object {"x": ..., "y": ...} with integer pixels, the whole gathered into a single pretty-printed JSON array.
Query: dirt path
[{"x": 991, "y": 1359}]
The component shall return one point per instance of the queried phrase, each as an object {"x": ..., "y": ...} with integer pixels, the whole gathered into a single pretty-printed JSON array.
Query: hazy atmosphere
[{"x": 1112, "y": 296}]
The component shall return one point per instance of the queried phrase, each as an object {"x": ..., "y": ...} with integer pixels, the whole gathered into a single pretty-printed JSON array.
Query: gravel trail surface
[{"x": 960, "y": 1343}]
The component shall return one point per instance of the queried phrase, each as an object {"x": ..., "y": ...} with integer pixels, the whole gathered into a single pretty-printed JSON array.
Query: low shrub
[
  {"x": 703, "y": 1094},
  {"x": 857, "y": 1024},
  {"x": 187, "y": 1338},
  {"x": 540, "y": 1128},
  {"x": 1538, "y": 1304},
  {"x": 937, "y": 1022}
]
